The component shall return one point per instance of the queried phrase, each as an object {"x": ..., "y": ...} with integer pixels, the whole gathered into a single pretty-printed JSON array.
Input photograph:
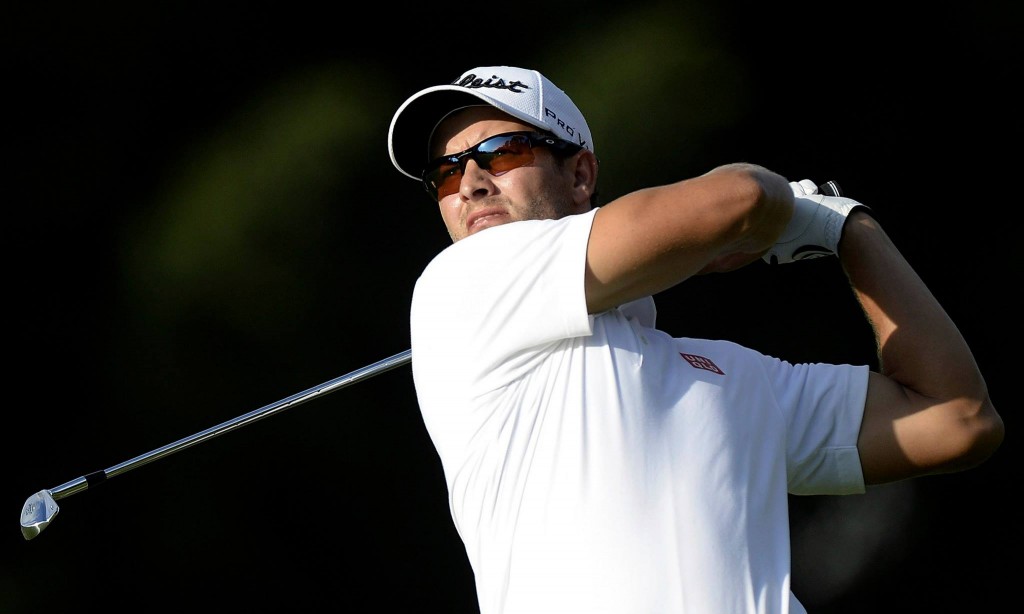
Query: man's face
[{"x": 542, "y": 189}]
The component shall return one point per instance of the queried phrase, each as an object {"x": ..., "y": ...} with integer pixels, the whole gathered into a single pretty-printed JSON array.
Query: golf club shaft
[{"x": 84, "y": 482}]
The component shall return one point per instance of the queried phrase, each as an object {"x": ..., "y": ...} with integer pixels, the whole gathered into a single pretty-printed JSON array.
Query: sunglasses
[{"x": 497, "y": 155}]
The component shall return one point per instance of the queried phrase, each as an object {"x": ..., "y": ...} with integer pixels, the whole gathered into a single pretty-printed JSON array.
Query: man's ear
[{"x": 584, "y": 178}]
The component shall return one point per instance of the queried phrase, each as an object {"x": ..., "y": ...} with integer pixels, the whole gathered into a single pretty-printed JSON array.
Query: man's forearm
[
  {"x": 918, "y": 344},
  {"x": 929, "y": 410}
]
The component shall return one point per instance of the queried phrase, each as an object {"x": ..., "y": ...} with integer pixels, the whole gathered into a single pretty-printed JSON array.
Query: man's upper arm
[
  {"x": 905, "y": 434},
  {"x": 652, "y": 239}
]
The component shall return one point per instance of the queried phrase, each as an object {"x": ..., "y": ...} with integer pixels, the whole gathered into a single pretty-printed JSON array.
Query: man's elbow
[{"x": 980, "y": 433}]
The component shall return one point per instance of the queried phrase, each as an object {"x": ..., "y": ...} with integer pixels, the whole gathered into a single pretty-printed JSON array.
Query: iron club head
[{"x": 37, "y": 513}]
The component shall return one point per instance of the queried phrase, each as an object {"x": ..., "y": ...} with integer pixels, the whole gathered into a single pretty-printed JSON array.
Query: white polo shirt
[{"x": 595, "y": 464}]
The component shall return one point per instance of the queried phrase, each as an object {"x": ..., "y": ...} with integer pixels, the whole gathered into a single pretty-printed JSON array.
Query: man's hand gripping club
[{"x": 816, "y": 226}]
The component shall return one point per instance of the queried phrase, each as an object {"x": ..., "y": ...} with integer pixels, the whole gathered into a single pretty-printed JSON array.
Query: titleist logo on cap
[
  {"x": 471, "y": 81},
  {"x": 515, "y": 86}
]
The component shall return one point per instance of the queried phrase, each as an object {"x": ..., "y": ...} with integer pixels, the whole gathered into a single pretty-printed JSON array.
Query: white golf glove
[{"x": 816, "y": 225}]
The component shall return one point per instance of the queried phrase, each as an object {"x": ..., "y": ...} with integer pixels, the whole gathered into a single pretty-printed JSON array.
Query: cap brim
[{"x": 415, "y": 120}]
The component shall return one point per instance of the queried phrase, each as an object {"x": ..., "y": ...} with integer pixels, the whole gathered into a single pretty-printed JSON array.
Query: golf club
[{"x": 40, "y": 508}]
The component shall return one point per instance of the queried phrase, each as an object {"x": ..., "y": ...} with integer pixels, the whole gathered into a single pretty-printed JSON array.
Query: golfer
[{"x": 597, "y": 464}]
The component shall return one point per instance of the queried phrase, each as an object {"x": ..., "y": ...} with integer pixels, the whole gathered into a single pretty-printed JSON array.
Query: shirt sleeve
[
  {"x": 487, "y": 303},
  {"x": 823, "y": 406}
]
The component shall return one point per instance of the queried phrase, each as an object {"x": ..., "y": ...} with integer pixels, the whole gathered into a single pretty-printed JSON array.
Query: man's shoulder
[{"x": 509, "y": 242}]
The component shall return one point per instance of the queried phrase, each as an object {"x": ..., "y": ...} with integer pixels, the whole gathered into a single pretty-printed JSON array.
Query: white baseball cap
[{"x": 524, "y": 94}]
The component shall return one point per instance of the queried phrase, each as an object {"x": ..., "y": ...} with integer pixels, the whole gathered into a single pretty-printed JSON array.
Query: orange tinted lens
[
  {"x": 503, "y": 153},
  {"x": 449, "y": 176}
]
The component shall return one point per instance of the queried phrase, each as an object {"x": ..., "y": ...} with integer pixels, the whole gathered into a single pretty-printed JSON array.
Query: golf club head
[{"x": 37, "y": 513}]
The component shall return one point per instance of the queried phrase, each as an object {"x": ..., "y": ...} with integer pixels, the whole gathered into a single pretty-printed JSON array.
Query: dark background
[{"x": 203, "y": 220}]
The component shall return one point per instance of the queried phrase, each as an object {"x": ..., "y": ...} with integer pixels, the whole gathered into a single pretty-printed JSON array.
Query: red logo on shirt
[{"x": 702, "y": 363}]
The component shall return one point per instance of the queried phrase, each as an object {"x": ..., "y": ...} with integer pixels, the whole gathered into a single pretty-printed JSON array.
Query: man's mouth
[{"x": 485, "y": 219}]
